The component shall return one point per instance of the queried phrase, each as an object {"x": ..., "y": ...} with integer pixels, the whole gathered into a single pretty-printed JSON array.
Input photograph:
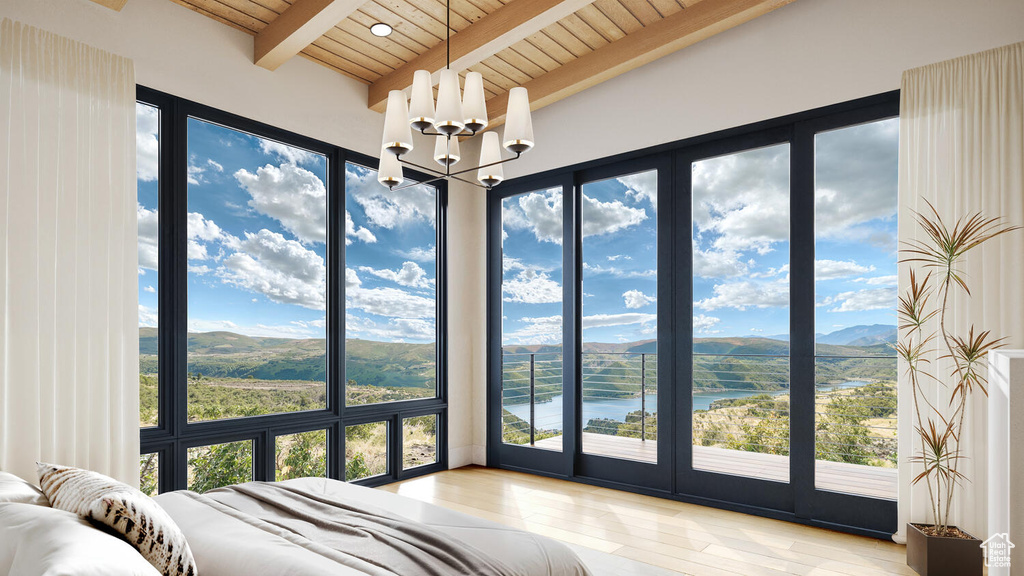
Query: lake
[{"x": 549, "y": 414}]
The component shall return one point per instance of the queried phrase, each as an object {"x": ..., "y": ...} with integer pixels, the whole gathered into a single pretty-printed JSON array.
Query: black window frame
[
  {"x": 797, "y": 500},
  {"x": 173, "y": 434}
]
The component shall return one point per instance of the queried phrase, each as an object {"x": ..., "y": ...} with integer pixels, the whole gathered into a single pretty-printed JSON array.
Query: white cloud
[
  {"x": 360, "y": 233},
  {"x": 410, "y": 274},
  {"x": 147, "y": 146},
  {"x": 879, "y": 280},
  {"x": 214, "y": 165},
  {"x": 856, "y": 177},
  {"x": 391, "y": 209},
  {"x": 419, "y": 253},
  {"x": 718, "y": 264},
  {"x": 637, "y": 299},
  {"x": 282, "y": 270},
  {"x": 617, "y": 272},
  {"x": 832, "y": 269},
  {"x": 148, "y": 238},
  {"x": 147, "y": 316},
  {"x": 531, "y": 286},
  {"x": 616, "y": 257},
  {"x": 860, "y": 300},
  {"x": 745, "y": 294},
  {"x": 201, "y": 228},
  {"x": 705, "y": 324},
  {"x": 289, "y": 154},
  {"x": 394, "y": 330},
  {"x": 195, "y": 173},
  {"x": 543, "y": 330},
  {"x": 391, "y": 302},
  {"x": 743, "y": 199},
  {"x": 197, "y": 251},
  {"x": 203, "y": 325},
  {"x": 548, "y": 329},
  {"x": 541, "y": 213},
  {"x": 642, "y": 186},
  {"x": 624, "y": 319},
  {"x": 294, "y": 196},
  {"x": 607, "y": 217},
  {"x": 149, "y": 289}
]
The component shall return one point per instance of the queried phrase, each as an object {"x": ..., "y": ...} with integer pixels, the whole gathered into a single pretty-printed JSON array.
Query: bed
[{"x": 321, "y": 526}]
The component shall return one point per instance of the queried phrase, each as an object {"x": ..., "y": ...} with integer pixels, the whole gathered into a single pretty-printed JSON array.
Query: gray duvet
[{"x": 320, "y": 526}]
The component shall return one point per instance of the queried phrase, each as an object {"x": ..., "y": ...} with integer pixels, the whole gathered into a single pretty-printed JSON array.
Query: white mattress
[{"x": 230, "y": 544}]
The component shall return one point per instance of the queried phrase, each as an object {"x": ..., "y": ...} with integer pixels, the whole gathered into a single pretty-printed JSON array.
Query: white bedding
[{"x": 228, "y": 543}]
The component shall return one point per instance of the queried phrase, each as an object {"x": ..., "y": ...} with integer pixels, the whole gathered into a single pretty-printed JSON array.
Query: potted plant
[{"x": 937, "y": 548}]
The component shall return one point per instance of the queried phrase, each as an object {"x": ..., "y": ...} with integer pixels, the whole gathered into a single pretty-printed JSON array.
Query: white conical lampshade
[
  {"x": 518, "y": 123},
  {"x": 390, "y": 173},
  {"x": 449, "y": 119},
  {"x": 397, "y": 133},
  {"x": 445, "y": 156},
  {"x": 490, "y": 152},
  {"x": 474, "y": 105},
  {"x": 421, "y": 110}
]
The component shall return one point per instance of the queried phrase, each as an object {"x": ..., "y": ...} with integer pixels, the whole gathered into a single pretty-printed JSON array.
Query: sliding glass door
[{"x": 711, "y": 321}]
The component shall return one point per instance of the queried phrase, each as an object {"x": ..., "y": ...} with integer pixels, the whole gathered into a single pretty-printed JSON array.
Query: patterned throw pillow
[{"x": 129, "y": 512}]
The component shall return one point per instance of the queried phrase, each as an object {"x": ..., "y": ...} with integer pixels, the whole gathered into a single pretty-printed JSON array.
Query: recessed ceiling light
[{"x": 380, "y": 29}]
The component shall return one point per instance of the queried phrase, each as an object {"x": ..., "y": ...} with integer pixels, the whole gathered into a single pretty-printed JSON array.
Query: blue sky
[
  {"x": 257, "y": 221},
  {"x": 257, "y": 233},
  {"x": 741, "y": 245}
]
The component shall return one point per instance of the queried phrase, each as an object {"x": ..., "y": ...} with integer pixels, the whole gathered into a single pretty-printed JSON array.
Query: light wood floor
[
  {"x": 686, "y": 538},
  {"x": 835, "y": 476}
]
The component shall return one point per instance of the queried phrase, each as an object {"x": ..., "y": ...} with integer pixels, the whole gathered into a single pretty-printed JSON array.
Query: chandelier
[{"x": 455, "y": 117}]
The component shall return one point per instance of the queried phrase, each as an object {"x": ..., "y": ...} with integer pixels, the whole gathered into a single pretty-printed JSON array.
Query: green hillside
[
  {"x": 612, "y": 370},
  {"x": 234, "y": 356}
]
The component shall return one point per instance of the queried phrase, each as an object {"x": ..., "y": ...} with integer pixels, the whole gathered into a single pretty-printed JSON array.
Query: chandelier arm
[
  {"x": 427, "y": 169},
  {"x": 516, "y": 157},
  {"x": 469, "y": 135},
  {"x": 432, "y": 180},
  {"x": 454, "y": 174}
]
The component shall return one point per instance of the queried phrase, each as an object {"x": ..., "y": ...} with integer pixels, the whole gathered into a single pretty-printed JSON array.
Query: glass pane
[
  {"x": 149, "y": 474},
  {"x": 390, "y": 290},
  {"x": 366, "y": 450},
  {"x": 620, "y": 286},
  {"x": 531, "y": 294},
  {"x": 147, "y": 171},
  {"x": 219, "y": 465},
  {"x": 419, "y": 441},
  {"x": 257, "y": 278},
  {"x": 855, "y": 313},
  {"x": 741, "y": 313},
  {"x": 301, "y": 455}
]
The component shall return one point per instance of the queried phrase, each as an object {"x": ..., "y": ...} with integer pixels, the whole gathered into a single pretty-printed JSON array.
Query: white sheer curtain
[
  {"x": 962, "y": 149},
  {"x": 68, "y": 267}
]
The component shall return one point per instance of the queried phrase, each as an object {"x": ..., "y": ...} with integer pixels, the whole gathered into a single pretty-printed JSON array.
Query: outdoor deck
[{"x": 832, "y": 476}]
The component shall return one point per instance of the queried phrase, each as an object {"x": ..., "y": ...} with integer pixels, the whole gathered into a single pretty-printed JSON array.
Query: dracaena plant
[{"x": 935, "y": 274}]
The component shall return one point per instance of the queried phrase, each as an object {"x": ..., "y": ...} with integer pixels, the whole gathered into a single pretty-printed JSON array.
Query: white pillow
[
  {"x": 129, "y": 512},
  {"x": 14, "y": 489},
  {"x": 43, "y": 541}
]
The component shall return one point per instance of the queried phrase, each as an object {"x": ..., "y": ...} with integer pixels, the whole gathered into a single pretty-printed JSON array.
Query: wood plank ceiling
[{"x": 583, "y": 40}]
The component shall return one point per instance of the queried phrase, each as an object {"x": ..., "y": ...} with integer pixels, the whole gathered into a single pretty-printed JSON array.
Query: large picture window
[
  {"x": 709, "y": 320},
  {"x": 262, "y": 356}
]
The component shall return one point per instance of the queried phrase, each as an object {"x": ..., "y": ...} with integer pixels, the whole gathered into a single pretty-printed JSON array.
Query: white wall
[
  {"x": 187, "y": 54},
  {"x": 808, "y": 54}
]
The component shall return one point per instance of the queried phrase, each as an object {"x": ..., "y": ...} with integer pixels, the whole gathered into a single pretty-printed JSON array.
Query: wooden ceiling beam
[
  {"x": 485, "y": 37},
  {"x": 297, "y": 27},
  {"x": 112, "y": 4},
  {"x": 684, "y": 28}
]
